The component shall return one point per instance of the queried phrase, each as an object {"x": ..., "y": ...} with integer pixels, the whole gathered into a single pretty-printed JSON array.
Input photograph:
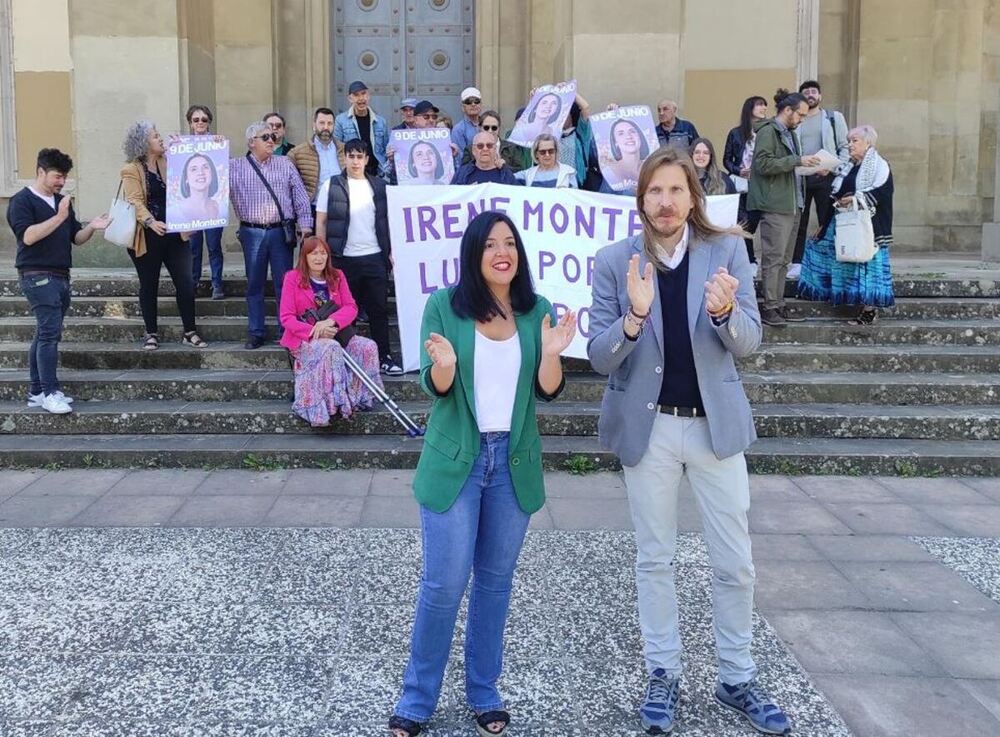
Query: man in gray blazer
[{"x": 672, "y": 309}]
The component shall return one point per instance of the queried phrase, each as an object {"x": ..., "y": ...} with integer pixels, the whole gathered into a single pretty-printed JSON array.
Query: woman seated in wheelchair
[{"x": 317, "y": 312}]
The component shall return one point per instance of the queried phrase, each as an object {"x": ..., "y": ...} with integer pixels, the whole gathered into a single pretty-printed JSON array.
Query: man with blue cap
[{"x": 360, "y": 121}]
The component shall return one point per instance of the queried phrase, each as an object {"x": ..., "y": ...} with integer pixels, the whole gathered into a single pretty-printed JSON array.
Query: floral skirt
[
  {"x": 824, "y": 279},
  {"x": 324, "y": 385}
]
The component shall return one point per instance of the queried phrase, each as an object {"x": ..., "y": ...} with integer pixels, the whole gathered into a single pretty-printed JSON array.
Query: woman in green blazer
[{"x": 490, "y": 350}]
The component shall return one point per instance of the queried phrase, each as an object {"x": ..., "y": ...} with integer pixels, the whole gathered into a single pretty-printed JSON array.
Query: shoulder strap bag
[{"x": 287, "y": 225}]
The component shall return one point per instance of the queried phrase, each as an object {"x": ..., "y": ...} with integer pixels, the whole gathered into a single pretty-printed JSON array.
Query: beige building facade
[{"x": 925, "y": 73}]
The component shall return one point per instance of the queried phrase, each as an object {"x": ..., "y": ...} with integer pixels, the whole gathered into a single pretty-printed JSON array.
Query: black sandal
[
  {"x": 865, "y": 317},
  {"x": 484, "y": 720},
  {"x": 193, "y": 339},
  {"x": 150, "y": 342},
  {"x": 409, "y": 726}
]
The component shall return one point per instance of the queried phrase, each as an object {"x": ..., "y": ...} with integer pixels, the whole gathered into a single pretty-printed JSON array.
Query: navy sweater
[
  {"x": 55, "y": 251},
  {"x": 680, "y": 379}
]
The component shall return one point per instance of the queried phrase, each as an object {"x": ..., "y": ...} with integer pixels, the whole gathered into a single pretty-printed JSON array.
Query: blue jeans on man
[
  {"x": 48, "y": 297},
  {"x": 263, "y": 248},
  {"x": 212, "y": 239},
  {"x": 481, "y": 534}
]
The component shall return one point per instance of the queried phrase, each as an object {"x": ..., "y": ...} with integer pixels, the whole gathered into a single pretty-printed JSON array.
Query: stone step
[
  {"x": 946, "y": 308},
  {"x": 217, "y": 385},
  {"x": 940, "y": 422},
  {"x": 822, "y": 331},
  {"x": 768, "y": 455},
  {"x": 124, "y": 282},
  {"x": 769, "y": 358}
]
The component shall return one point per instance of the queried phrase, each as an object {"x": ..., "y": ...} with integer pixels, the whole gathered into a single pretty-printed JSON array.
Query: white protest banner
[
  {"x": 546, "y": 112},
  {"x": 197, "y": 183},
  {"x": 423, "y": 156},
  {"x": 562, "y": 230},
  {"x": 624, "y": 136}
]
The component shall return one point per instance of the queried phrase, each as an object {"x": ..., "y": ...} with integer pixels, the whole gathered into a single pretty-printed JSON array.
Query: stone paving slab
[{"x": 194, "y": 632}]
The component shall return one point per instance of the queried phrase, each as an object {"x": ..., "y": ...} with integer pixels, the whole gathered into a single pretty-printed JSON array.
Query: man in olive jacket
[
  {"x": 775, "y": 198},
  {"x": 351, "y": 213}
]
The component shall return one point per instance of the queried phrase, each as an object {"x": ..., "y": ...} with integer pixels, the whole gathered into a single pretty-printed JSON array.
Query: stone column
[{"x": 991, "y": 229}]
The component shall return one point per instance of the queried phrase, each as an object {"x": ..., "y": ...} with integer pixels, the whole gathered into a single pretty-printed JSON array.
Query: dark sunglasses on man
[
  {"x": 265, "y": 137},
  {"x": 471, "y": 101},
  {"x": 482, "y": 146},
  {"x": 200, "y": 120}
]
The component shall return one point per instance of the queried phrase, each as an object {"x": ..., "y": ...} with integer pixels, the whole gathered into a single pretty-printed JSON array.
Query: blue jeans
[
  {"x": 213, "y": 241},
  {"x": 48, "y": 297},
  {"x": 260, "y": 249},
  {"x": 482, "y": 534}
]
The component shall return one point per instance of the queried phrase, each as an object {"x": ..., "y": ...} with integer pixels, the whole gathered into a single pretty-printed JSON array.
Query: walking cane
[{"x": 412, "y": 428}]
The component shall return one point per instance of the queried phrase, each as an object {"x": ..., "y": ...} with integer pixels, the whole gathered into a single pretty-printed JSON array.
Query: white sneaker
[
  {"x": 55, "y": 404},
  {"x": 794, "y": 271},
  {"x": 35, "y": 400}
]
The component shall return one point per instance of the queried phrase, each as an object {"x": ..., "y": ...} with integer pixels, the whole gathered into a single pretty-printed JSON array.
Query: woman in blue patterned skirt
[{"x": 823, "y": 278}]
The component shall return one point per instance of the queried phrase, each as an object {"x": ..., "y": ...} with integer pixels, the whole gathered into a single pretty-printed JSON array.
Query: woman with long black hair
[
  {"x": 738, "y": 157},
  {"x": 491, "y": 349}
]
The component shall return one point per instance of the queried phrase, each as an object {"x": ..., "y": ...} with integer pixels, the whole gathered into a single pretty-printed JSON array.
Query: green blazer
[{"x": 452, "y": 442}]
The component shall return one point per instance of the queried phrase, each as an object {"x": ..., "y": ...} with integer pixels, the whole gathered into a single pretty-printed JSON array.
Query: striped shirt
[{"x": 254, "y": 204}]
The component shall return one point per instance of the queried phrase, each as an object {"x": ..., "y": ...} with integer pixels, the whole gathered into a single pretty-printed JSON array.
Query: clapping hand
[
  {"x": 640, "y": 288},
  {"x": 63, "y": 209},
  {"x": 720, "y": 292},
  {"x": 101, "y": 222},
  {"x": 440, "y": 350},
  {"x": 556, "y": 339}
]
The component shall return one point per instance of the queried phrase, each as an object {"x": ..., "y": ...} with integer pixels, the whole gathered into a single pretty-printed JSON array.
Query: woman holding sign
[
  {"x": 324, "y": 386},
  {"x": 491, "y": 349}
]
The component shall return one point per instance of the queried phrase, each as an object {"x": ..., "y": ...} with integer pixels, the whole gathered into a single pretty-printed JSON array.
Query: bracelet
[
  {"x": 723, "y": 312},
  {"x": 636, "y": 315}
]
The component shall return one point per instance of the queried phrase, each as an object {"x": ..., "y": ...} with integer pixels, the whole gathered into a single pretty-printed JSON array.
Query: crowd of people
[{"x": 674, "y": 406}]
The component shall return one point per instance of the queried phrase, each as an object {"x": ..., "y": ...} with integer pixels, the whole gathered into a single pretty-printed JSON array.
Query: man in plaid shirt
[{"x": 262, "y": 217}]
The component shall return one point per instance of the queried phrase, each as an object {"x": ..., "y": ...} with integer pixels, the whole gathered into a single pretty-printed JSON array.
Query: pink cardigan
[{"x": 296, "y": 299}]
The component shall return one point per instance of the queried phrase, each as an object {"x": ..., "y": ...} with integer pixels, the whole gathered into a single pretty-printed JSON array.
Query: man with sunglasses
[
  {"x": 276, "y": 122},
  {"x": 199, "y": 120},
  {"x": 484, "y": 166},
  {"x": 467, "y": 128},
  {"x": 266, "y": 192},
  {"x": 425, "y": 115}
]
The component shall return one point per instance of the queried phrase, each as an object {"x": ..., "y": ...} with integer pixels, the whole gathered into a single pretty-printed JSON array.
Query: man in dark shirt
[
  {"x": 276, "y": 122},
  {"x": 674, "y": 131},
  {"x": 46, "y": 229},
  {"x": 487, "y": 165}
]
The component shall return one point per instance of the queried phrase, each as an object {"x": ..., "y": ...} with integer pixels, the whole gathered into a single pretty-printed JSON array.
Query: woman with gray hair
[
  {"x": 823, "y": 278},
  {"x": 547, "y": 171},
  {"x": 144, "y": 183}
]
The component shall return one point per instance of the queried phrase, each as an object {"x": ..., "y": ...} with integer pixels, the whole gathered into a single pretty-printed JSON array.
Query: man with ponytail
[{"x": 672, "y": 308}]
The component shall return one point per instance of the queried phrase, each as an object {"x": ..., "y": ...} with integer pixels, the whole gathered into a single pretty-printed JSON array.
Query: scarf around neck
[{"x": 873, "y": 172}]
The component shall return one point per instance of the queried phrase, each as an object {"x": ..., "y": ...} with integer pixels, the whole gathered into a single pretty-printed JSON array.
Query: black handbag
[
  {"x": 323, "y": 309},
  {"x": 287, "y": 225}
]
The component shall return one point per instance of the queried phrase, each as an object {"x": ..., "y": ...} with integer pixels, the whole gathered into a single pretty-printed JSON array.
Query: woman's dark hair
[
  {"x": 471, "y": 296},
  {"x": 784, "y": 99},
  {"x": 555, "y": 113},
  {"x": 711, "y": 181},
  {"x": 195, "y": 108},
  {"x": 616, "y": 152},
  {"x": 491, "y": 114},
  {"x": 52, "y": 159},
  {"x": 213, "y": 187},
  {"x": 438, "y": 167},
  {"x": 746, "y": 115}
]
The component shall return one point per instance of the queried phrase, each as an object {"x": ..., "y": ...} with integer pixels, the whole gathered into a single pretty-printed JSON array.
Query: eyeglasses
[
  {"x": 200, "y": 120},
  {"x": 265, "y": 137},
  {"x": 471, "y": 101},
  {"x": 545, "y": 151},
  {"x": 482, "y": 146},
  {"x": 490, "y": 127}
]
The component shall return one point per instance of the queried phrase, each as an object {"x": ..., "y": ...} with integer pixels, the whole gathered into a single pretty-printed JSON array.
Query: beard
[
  {"x": 668, "y": 233},
  {"x": 813, "y": 102},
  {"x": 324, "y": 136}
]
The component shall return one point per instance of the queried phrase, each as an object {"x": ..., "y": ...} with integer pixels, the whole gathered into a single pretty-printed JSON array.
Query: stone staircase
[{"x": 917, "y": 393}]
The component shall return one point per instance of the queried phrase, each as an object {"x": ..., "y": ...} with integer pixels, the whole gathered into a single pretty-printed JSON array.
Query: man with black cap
[
  {"x": 406, "y": 110},
  {"x": 360, "y": 121},
  {"x": 425, "y": 115}
]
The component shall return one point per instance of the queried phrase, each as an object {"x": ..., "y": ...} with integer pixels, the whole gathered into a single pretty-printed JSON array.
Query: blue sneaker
[
  {"x": 658, "y": 708},
  {"x": 754, "y": 704}
]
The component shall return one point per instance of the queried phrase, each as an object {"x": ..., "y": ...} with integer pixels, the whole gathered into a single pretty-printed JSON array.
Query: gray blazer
[{"x": 635, "y": 368}]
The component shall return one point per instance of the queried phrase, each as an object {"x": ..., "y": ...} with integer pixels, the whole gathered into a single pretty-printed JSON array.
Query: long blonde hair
[{"x": 698, "y": 220}]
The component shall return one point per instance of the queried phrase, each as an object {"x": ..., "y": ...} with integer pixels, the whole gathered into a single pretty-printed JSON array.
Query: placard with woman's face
[
  {"x": 546, "y": 112},
  {"x": 423, "y": 156},
  {"x": 197, "y": 183},
  {"x": 624, "y": 137}
]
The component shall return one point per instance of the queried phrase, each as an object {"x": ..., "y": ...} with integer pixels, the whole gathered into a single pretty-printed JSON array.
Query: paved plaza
[{"x": 274, "y": 603}]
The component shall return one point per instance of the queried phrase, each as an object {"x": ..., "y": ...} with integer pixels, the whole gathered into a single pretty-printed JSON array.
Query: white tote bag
[
  {"x": 855, "y": 240},
  {"x": 121, "y": 229}
]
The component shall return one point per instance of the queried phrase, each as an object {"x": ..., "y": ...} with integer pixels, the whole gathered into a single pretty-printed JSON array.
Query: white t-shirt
[
  {"x": 497, "y": 365},
  {"x": 361, "y": 238},
  {"x": 50, "y": 198}
]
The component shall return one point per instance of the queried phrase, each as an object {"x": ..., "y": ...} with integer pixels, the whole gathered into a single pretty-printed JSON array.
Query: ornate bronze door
[{"x": 403, "y": 48}]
